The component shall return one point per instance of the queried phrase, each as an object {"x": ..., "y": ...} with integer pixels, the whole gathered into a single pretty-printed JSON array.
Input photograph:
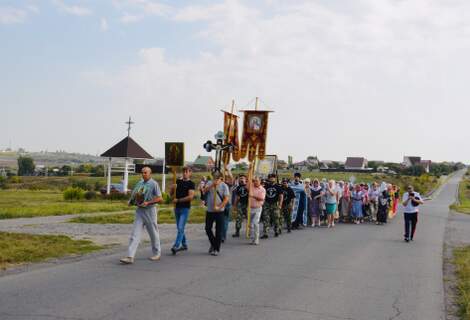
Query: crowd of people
[{"x": 279, "y": 205}]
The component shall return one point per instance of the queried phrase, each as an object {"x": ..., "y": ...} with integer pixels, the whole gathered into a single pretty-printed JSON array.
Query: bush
[
  {"x": 74, "y": 194},
  {"x": 3, "y": 182},
  {"x": 14, "y": 179},
  {"x": 90, "y": 195},
  {"x": 116, "y": 196},
  {"x": 98, "y": 185},
  {"x": 166, "y": 198},
  {"x": 82, "y": 184}
]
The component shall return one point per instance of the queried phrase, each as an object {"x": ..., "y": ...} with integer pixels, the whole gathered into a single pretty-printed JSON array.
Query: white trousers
[
  {"x": 255, "y": 215},
  {"x": 145, "y": 217}
]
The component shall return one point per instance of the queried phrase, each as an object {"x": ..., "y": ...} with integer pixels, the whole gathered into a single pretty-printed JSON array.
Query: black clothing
[
  {"x": 218, "y": 218},
  {"x": 411, "y": 220},
  {"x": 383, "y": 207},
  {"x": 273, "y": 192},
  {"x": 242, "y": 192},
  {"x": 182, "y": 191},
  {"x": 288, "y": 195}
]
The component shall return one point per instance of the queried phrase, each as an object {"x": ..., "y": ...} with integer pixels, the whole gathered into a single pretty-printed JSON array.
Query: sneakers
[
  {"x": 174, "y": 250},
  {"x": 155, "y": 257},
  {"x": 407, "y": 240},
  {"x": 264, "y": 236},
  {"x": 127, "y": 260},
  {"x": 236, "y": 234},
  {"x": 184, "y": 248},
  {"x": 255, "y": 242},
  {"x": 211, "y": 249},
  {"x": 215, "y": 253}
]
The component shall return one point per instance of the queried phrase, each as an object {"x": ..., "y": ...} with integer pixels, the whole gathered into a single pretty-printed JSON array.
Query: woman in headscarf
[
  {"x": 357, "y": 204},
  {"x": 314, "y": 204},
  {"x": 345, "y": 202},
  {"x": 383, "y": 207},
  {"x": 307, "y": 183}
]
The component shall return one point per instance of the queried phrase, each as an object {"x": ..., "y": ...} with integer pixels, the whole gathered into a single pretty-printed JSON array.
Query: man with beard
[
  {"x": 272, "y": 205},
  {"x": 240, "y": 204}
]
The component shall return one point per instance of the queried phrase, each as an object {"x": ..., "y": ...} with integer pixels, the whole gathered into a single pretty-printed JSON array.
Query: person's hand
[
  {"x": 144, "y": 204},
  {"x": 216, "y": 208},
  {"x": 175, "y": 201}
]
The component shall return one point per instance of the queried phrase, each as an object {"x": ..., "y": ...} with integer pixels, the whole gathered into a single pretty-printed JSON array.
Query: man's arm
[
  {"x": 188, "y": 198},
  {"x": 156, "y": 199}
]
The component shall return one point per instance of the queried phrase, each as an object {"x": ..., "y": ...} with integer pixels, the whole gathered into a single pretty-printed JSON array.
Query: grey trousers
[{"x": 145, "y": 217}]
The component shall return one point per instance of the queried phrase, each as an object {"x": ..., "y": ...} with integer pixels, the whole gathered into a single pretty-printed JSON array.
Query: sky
[{"x": 373, "y": 78}]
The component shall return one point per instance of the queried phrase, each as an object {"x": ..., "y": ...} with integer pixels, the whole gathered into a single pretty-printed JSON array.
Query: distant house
[
  {"x": 355, "y": 163},
  {"x": 426, "y": 165},
  {"x": 203, "y": 163},
  {"x": 411, "y": 161},
  {"x": 281, "y": 164},
  {"x": 301, "y": 166}
]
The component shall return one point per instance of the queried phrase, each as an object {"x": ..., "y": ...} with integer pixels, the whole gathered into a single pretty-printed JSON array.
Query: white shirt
[{"x": 409, "y": 208}]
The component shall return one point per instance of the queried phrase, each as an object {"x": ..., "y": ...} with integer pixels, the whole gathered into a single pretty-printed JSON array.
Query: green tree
[{"x": 25, "y": 166}]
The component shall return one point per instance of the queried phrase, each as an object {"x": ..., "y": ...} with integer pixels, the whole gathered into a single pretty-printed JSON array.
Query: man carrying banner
[
  {"x": 217, "y": 198},
  {"x": 240, "y": 204},
  {"x": 184, "y": 193},
  {"x": 272, "y": 205}
]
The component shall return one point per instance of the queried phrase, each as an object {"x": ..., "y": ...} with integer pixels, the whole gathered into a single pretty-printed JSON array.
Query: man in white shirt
[{"x": 411, "y": 201}]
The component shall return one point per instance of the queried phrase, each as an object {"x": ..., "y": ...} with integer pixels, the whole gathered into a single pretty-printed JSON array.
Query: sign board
[{"x": 174, "y": 154}]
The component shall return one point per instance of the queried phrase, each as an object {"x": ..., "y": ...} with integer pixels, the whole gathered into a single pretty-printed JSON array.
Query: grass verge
[
  {"x": 26, "y": 204},
  {"x": 18, "y": 248},
  {"x": 165, "y": 215},
  {"x": 463, "y": 204},
  {"x": 462, "y": 264}
]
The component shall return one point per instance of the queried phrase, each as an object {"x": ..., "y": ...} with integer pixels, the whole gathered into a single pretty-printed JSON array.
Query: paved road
[{"x": 353, "y": 272}]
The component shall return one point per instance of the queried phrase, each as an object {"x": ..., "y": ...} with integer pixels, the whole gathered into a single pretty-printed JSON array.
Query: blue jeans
[
  {"x": 226, "y": 220},
  {"x": 181, "y": 215}
]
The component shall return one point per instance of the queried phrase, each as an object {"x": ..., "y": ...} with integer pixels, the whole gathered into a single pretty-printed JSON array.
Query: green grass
[
  {"x": 462, "y": 264},
  {"x": 26, "y": 203},
  {"x": 464, "y": 197},
  {"x": 165, "y": 215},
  {"x": 18, "y": 248}
]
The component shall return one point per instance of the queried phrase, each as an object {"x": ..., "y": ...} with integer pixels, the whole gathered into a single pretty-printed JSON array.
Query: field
[
  {"x": 18, "y": 248},
  {"x": 26, "y": 203},
  {"x": 42, "y": 196},
  {"x": 165, "y": 215},
  {"x": 463, "y": 205},
  {"x": 462, "y": 263}
]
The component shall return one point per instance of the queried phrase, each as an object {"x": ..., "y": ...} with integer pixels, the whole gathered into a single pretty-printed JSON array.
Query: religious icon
[
  {"x": 174, "y": 154},
  {"x": 266, "y": 166},
  {"x": 255, "y": 122}
]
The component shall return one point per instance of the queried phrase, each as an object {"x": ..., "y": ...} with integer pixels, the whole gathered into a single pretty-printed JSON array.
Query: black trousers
[
  {"x": 218, "y": 218},
  {"x": 411, "y": 220}
]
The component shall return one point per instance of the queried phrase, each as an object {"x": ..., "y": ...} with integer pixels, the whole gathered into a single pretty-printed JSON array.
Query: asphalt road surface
[{"x": 352, "y": 272}]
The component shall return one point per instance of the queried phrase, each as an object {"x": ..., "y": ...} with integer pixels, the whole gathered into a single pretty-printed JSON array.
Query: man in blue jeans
[
  {"x": 411, "y": 201},
  {"x": 183, "y": 193}
]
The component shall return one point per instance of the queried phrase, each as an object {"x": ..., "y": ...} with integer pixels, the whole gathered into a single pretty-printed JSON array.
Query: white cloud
[
  {"x": 75, "y": 10},
  {"x": 335, "y": 76},
  {"x": 104, "y": 25},
  {"x": 137, "y": 10},
  {"x": 11, "y": 15}
]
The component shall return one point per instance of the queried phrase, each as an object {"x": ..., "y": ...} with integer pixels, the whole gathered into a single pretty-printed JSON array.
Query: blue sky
[{"x": 373, "y": 78}]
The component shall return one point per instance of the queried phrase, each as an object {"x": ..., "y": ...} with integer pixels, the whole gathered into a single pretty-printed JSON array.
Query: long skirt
[
  {"x": 345, "y": 203},
  {"x": 382, "y": 214},
  {"x": 356, "y": 211}
]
